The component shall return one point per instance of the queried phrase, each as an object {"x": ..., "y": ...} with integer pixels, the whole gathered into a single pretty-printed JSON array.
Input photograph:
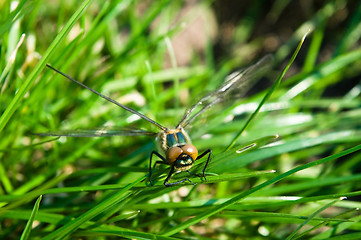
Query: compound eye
[
  {"x": 190, "y": 150},
  {"x": 173, "y": 153}
]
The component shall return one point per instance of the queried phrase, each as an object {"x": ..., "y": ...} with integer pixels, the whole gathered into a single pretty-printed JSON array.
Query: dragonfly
[{"x": 174, "y": 144}]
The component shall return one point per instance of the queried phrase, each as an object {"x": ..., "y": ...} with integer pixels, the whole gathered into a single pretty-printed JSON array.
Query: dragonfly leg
[
  {"x": 195, "y": 174},
  {"x": 209, "y": 152},
  {"x": 150, "y": 163},
  {"x": 174, "y": 183}
]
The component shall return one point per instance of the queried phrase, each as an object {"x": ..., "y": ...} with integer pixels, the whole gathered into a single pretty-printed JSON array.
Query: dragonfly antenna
[{"x": 108, "y": 98}]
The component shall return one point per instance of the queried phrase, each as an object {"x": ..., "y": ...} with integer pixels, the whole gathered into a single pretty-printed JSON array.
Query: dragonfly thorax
[{"x": 172, "y": 138}]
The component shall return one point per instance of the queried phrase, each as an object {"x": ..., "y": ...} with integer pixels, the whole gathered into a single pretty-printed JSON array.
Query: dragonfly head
[
  {"x": 182, "y": 157},
  {"x": 183, "y": 162}
]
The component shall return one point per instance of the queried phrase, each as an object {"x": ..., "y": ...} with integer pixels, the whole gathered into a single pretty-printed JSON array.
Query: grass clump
[{"x": 159, "y": 57}]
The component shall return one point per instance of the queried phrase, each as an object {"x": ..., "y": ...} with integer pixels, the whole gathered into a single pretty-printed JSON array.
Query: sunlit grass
[{"x": 286, "y": 187}]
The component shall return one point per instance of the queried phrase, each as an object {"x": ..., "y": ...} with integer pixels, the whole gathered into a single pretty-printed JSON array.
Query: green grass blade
[
  {"x": 26, "y": 233},
  {"x": 75, "y": 224},
  {"x": 15, "y": 103},
  {"x": 19, "y": 11},
  {"x": 237, "y": 198},
  {"x": 269, "y": 92},
  {"x": 312, "y": 216}
]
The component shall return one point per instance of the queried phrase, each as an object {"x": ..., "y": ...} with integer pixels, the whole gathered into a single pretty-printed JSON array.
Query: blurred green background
[{"x": 160, "y": 57}]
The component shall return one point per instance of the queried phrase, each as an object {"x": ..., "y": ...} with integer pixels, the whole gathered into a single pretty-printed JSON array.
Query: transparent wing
[
  {"x": 98, "y": 132},
  {"x": 108, "y": 99},
  {"x": 235, "y": 86}
]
